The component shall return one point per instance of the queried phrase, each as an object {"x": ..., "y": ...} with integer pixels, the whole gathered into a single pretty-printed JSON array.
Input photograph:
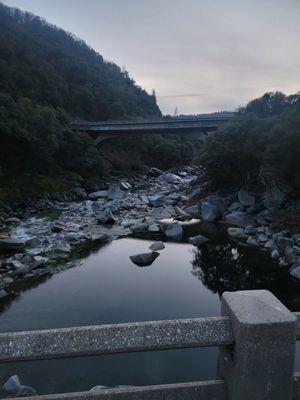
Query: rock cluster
[
  {"x": 157, "y": 205},
  {"x": 250, "y": 222},
  {"x": 41, "y": 245}
]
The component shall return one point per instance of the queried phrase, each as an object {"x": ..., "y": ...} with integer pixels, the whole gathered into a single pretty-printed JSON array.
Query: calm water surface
[{"x": 108, "y": 288}]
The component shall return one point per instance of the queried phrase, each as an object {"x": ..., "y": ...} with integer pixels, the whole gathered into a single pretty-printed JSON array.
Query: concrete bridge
[
  {"x": 256, "y": 335},
  {"x": 190, "y": 128}
]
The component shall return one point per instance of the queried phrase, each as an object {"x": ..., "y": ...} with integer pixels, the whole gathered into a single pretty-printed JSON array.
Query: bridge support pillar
[{"x": 260, "y": 363}]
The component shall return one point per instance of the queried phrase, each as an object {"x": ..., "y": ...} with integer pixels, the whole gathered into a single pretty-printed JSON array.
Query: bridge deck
[{"x": 163, "y": 126}]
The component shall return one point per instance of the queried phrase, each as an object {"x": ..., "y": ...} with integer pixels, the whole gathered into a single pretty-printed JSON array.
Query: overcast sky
[{"x": 198, "y": 55}]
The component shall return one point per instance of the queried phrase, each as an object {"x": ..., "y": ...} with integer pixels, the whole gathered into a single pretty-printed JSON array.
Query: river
[{"x": 108, "y": 288}]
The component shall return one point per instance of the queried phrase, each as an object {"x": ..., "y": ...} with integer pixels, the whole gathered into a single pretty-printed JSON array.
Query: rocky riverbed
[{"x": 159, "y": 205}]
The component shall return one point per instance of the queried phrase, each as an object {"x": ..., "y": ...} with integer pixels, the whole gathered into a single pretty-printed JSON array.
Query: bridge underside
[
  {"x": 191, "y": 129},
  {"x": 195, "y": 134}
]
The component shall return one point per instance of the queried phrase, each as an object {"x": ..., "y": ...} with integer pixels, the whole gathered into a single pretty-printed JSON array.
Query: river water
[{"x": 108, "y": 288}]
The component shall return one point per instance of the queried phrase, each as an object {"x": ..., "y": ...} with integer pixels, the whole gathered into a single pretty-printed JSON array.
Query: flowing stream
[{"x": 108, "y": 288}]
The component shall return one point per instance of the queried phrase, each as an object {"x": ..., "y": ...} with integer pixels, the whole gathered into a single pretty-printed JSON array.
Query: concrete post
[{"x": 259, "y": 366}]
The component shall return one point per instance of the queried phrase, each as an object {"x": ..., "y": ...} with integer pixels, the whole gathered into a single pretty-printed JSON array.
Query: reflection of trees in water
[{"x": 225, "y": 267}]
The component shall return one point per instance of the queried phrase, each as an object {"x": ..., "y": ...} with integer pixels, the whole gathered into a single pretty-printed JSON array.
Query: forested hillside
[
  {"x": 260, "y": 145},
  {"x": 48, "y": 78},
  {"x": 53, "y": 68}
]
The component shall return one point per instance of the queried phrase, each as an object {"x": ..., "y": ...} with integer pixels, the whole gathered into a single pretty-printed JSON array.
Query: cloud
[{"x": 199, "y": 55}]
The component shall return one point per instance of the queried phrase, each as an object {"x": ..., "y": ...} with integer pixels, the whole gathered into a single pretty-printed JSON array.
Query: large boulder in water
[
  {"x": 174, "y": 231},
  {"x": 156, "y": 246},
  {"x": 212, "y": 208},
  {"x": 144, "y": 259},
  {"x": 198, "y": 240}
]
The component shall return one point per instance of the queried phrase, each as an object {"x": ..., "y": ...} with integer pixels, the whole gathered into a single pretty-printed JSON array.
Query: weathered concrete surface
[
  {"x": 260, "y": 364},
  {"x": 118, "y": 338},
  {"x": 211, "y": 390}
]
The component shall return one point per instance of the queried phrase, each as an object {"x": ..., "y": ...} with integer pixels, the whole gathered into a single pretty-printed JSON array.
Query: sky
[{"x": 199, "y": 55}]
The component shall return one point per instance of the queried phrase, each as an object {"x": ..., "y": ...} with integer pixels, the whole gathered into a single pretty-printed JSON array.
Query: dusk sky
[{"x": 198, "y": 55}]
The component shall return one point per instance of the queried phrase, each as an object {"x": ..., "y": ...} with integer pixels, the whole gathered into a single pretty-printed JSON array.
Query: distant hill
[
  {"x": 54, "y": 68},
  {"x": 48, "y": 77}
]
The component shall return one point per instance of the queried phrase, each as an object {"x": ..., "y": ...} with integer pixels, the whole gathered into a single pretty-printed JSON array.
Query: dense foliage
[
  {"x": 264, "y": 136},
  {"x": 53, "y": 68},
  {"x": 48, "y": 78}
]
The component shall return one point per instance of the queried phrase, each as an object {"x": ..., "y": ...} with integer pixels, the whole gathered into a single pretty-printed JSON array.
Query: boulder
[
  {"x": 263, "y": 217},
  {"x": 249, "y": 230},
  {"x": 154, "y": 228},
  {"x": 290, "y": 255},
  {"x": 212, "y": 208},
  {"x": 274, "y": 198},
  {"x": 237, "y": 233},
  {"x": 170, "y": 178},
  {"x": 282, "y": 241},
  {"x": 100, "y": 238},
  {"x": 194, "y": 211},
  {"x": 7, "y": 280},
  {"x": 19, "y": 267},
  {"x": 106, "y": 217},
  {"x": 140, "y": 227},
  {"x": 252, "y": 242},
  {"x": 101, "y": 194},
  {"x": 174, "y": 231},
  {"x": 12, "y": 386},
  {"x": 198, "y": 240},
  {"x": 27, "y": 391},
  {"x": 262, "y": 238},
  {"x": 275, "y": 254},
  {"x": 245, "y": 198},
  {"x": 157, "y": 200},
  {"x": 12, "y": 245},
  {"x": 144, "y": 259},
  {"x": 154, "y": 172},
  {"x": 156, "y": 246},
  {"x": 296, "y": 238},
  {"x": 80, "y": 193},
  {"x": 295, "y": 271},
  {"x": 238, "y": 218},
  {"x": 115, "y": 193},
  {"x": 124, "y": 185},
  {"x": 3, "y": 294},
  {"x": 236, "y": 206},
  {"x": 270, "y": 245}
]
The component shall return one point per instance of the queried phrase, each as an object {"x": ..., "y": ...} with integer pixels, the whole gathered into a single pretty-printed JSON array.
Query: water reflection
[{"x": 229, "y": 267}]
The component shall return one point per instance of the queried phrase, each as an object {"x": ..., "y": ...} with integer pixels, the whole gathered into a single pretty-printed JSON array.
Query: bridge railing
[
  {"x": 155, "y": 120},
  {"x": 256, "y": 336}
]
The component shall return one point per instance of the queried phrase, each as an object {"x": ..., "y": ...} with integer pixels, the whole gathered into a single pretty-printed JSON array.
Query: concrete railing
[{"x": 256, "y": 335}]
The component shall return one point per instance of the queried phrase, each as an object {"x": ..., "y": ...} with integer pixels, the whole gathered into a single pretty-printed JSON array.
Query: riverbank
[{"x": 160, "y": 206}]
